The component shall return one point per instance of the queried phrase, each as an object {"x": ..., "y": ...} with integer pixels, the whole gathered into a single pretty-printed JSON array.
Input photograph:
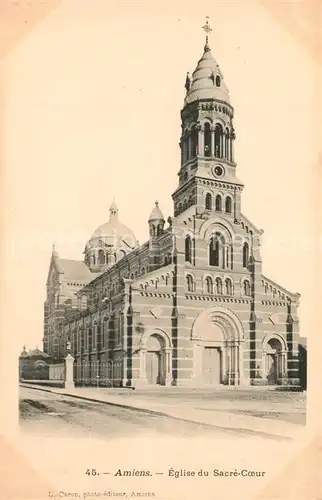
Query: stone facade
[{"x": 191, "y": 306}]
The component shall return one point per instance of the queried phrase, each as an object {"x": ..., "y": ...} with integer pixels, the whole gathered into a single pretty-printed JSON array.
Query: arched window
[
  {"x": 120, "y": 254},
  {"x": 218, "y": 203},
  {"x": 180, "y": 208},
  {"x": 218, "y": 286},
  {"x": 189, "y": 281},
  {"x": 214, "y": 249},
  {"x": 188, "y": 256},
  {"x": 190, "y": 200},
  {"x": 185, "y": 205},
  {"x": 245, "y": 254},
  {"x": 246, "y": 288},
  {"x": 217, "y": 81},
  {"x": 208, "y": 201},
  {"x": 229, "y": 286},
  {"x": 193, "y": 143},
  {"x": 207, "y": 140},
  {"x": 143, "y": 270},
  {"x": 101, "y": 257},
  {"x": 209, "y": 285},
  {"x": 228, "y": 205},
  {"x": 218, "y": 140},
  {"x": 93, "y": 259}
]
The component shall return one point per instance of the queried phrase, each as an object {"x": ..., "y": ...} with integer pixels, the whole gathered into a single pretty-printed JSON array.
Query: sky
[{"x": 92, "y": 111}]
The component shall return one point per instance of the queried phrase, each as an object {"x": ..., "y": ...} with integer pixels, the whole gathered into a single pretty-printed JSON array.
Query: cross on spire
[{"x": 207, "y": 29}]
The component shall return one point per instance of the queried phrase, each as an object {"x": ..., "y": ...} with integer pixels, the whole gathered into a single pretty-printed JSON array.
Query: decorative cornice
[
  {"x": 218, "y": 184},
  {"x": 209, "y": 298},
  {"x": 160, "y": 295},
  {"x": 206, "y": 104},
  {"x": 272, "y": 303}
]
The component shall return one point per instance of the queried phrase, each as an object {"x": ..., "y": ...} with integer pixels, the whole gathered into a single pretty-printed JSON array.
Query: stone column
[
  {"x": 241, "y": 363},
  {"x": 168, "y": 366},
  {"x": 201, "y": 142},
  {"x": 284, "y": 363},
  {"x": 223, "y": 365},
  {"x": 227, "y": 255},
  {"x": 236, "y": 364},
  {"x": 229, "y": 364},
  {"x": 69, "y": 372},
  {"x": 212, "y": 141},
  {"x": 223, "y": 145},
  {"x": 221, "y": 149},
  {"x": 232, "y": 138}
]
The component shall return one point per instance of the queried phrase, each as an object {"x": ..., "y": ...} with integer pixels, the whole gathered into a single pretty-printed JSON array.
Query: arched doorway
[
  {"x": 274, "y": 362},
  {"x": 212, "y": 357},
  {"x": 217, "y": 336},
  {"x": 156, "y": 358},
  {"x": 153, "y": 359}
]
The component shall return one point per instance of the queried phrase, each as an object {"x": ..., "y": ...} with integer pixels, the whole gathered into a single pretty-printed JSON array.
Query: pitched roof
[{"x": 75, "y": 270}]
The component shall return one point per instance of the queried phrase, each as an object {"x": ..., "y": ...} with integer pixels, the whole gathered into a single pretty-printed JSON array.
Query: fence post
[{"x": 69, "y": 367}]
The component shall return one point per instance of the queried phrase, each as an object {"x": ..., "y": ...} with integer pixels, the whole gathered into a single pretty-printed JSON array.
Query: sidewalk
[{"x": 216, "y": 413}]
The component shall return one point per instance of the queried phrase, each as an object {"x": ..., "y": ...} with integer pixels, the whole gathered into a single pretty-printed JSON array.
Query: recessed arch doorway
[
  {"x": 274, "y": 359},
  {"x": 156, "y": 358},
  {"x": 218, "y": 338},
  {"x": 153, "y": 359}
]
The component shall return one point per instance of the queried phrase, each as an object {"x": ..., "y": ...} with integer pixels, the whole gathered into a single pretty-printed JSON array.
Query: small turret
[
  {"x": 113, "y": 210},
  {"x": 156, "y": 221}
]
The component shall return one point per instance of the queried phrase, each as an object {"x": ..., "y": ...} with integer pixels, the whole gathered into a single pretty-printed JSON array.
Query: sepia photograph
[{"x": 163, "y": 240}]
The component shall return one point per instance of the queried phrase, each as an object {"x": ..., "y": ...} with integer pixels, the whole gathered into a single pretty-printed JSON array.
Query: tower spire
[{"x": 207, "y": 29}]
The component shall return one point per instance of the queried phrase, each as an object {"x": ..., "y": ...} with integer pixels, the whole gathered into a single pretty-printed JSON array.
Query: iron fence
[{"x": 98, "y": 373}]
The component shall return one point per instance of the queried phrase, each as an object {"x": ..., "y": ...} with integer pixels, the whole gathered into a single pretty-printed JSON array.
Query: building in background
[
  {"x": 34, "y": 364},
  {"x": 191, "y": 306}
]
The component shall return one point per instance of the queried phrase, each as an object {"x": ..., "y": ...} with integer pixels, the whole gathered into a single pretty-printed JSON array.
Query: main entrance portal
[
  {"x": 217, "y": 336},
  {"x": 212, "y": 365}
]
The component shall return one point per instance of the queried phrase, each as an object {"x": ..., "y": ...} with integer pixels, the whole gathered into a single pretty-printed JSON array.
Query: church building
[{"x": 191, "y": 306}]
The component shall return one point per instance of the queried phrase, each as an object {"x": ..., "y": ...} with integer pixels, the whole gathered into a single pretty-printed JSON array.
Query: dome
[
  {"x": 113, "y": 233},
  {"x": 207, "y": 80}
]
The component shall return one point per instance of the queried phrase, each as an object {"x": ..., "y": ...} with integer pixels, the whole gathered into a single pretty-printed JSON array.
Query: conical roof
[
  {"x": 156, "y": 213},
  {"x": 207, "y": 80}
]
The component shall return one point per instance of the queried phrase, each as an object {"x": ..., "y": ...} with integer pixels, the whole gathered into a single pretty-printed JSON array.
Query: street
[
  {"x": 64, "y": 436},
  {"x": 45, "y": 412},
  {"x": 225, "y": 414}
]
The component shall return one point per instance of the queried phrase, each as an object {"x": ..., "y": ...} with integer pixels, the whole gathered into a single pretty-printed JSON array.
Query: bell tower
[{"x": 207, "y": 176}]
